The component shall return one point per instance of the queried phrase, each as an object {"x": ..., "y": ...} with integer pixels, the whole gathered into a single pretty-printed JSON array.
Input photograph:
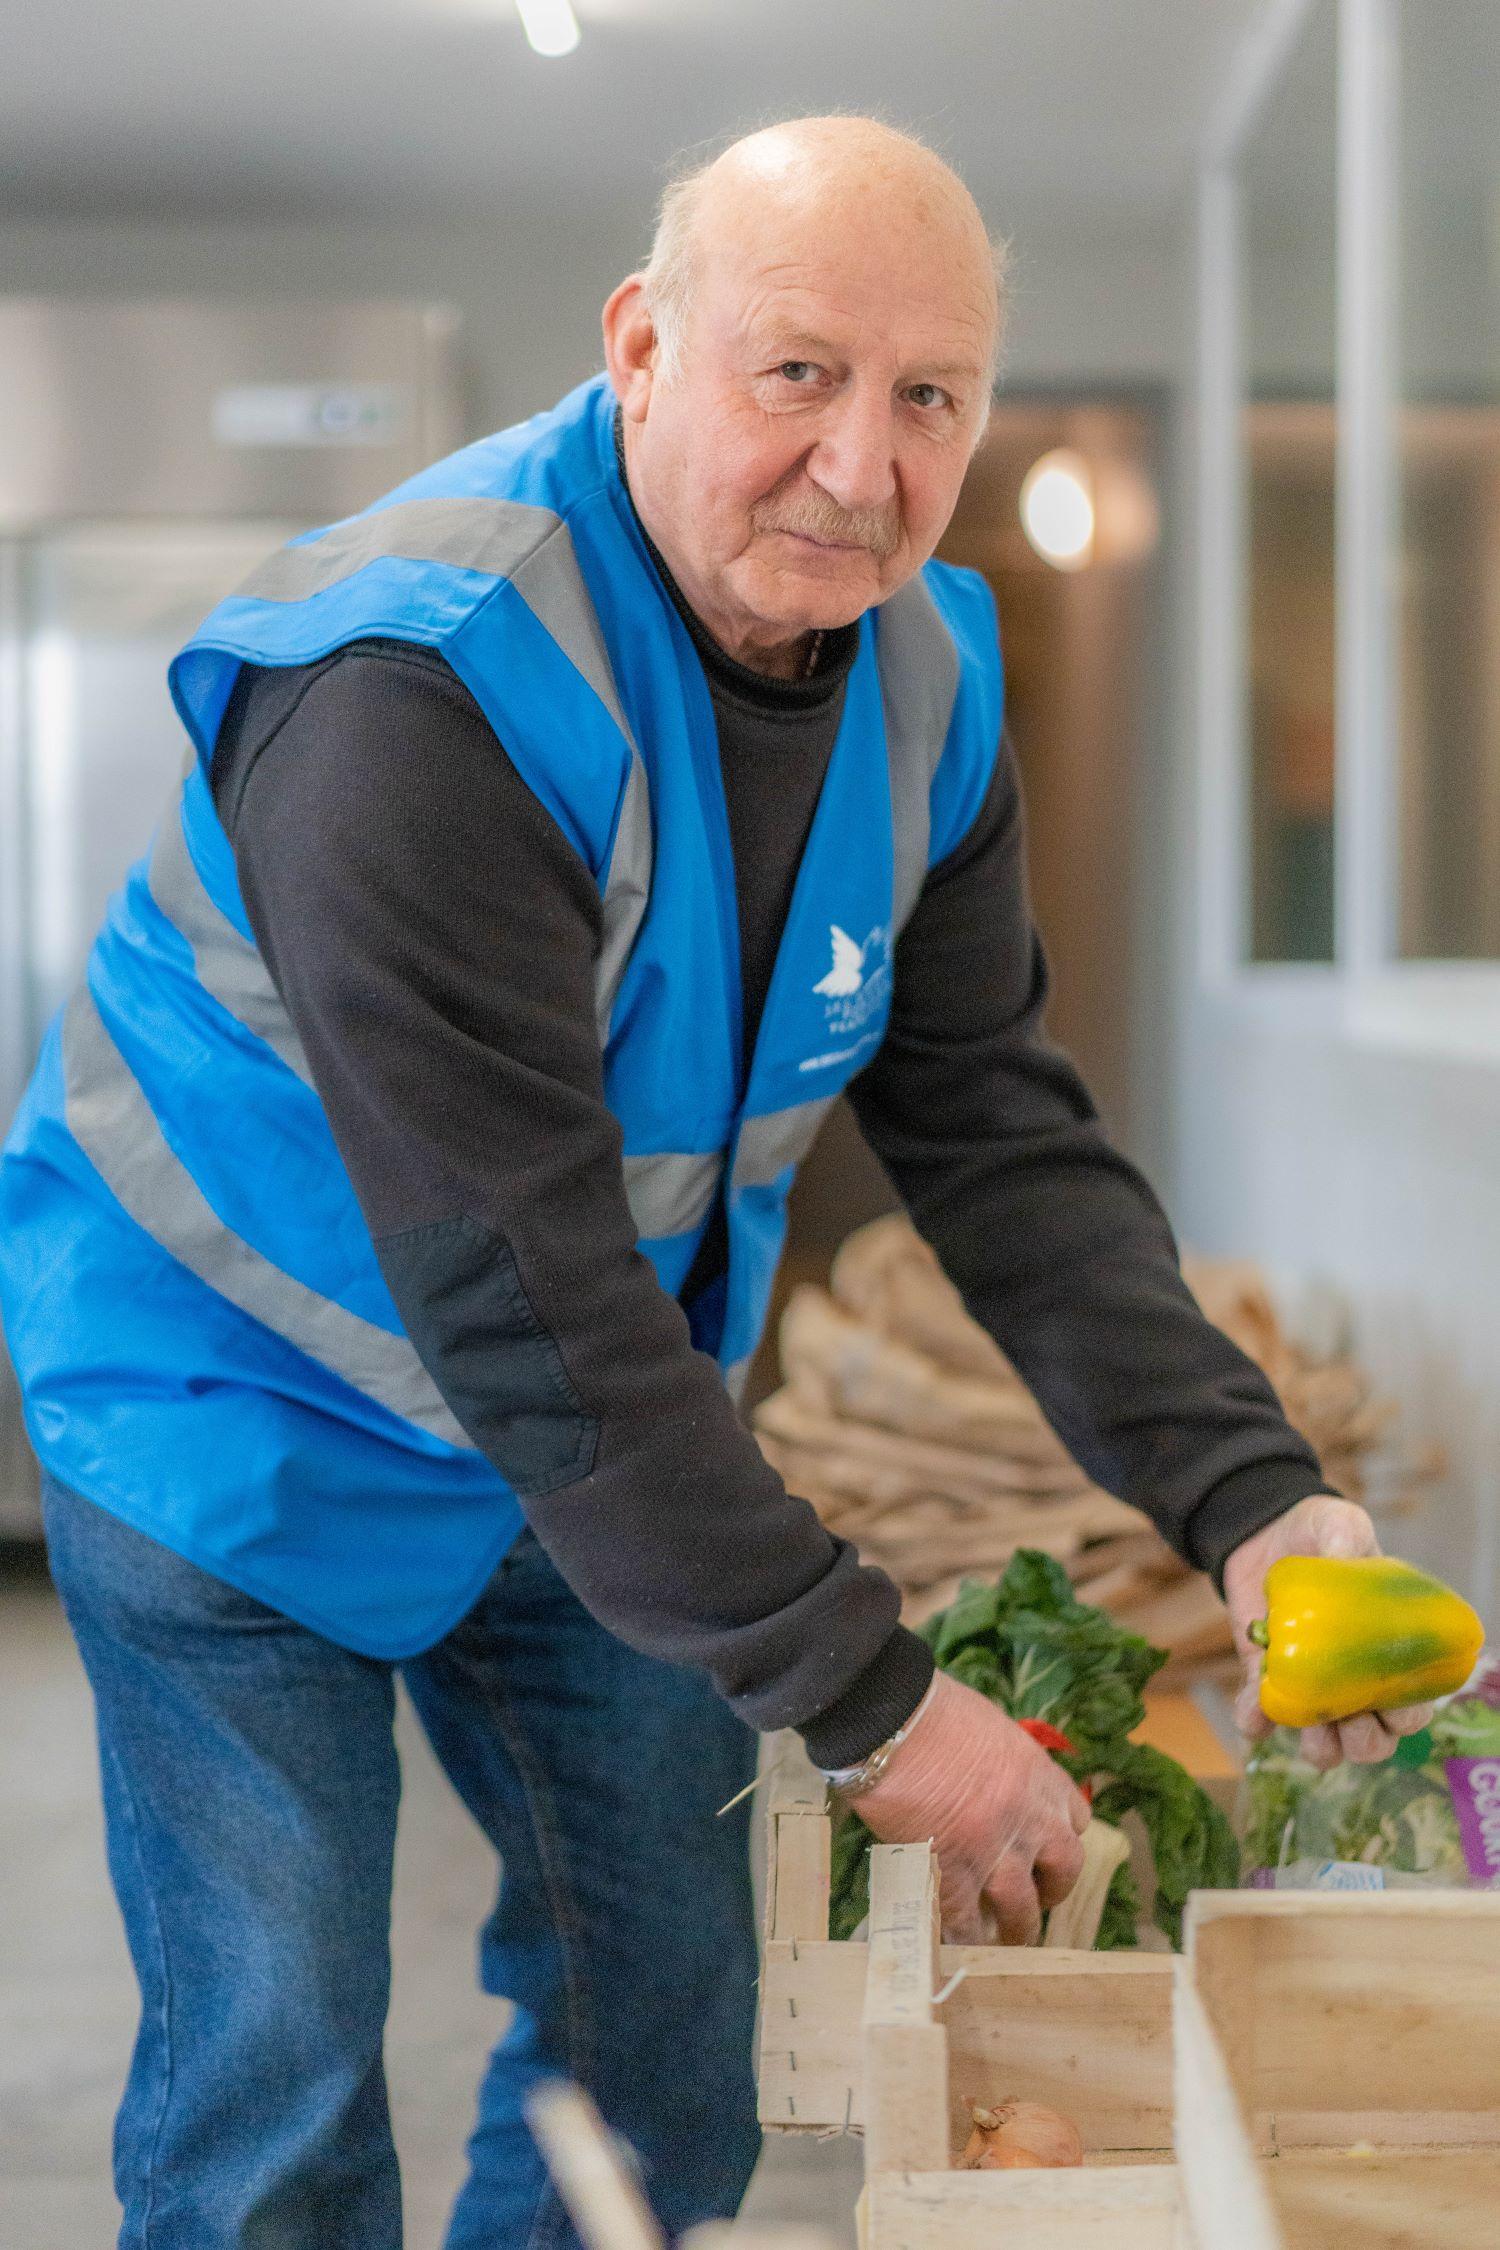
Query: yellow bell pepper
[{"x": 1363, "y": 1633}]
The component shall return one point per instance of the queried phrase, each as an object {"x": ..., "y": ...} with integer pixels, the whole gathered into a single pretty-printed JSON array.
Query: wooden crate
[
  {"x": 854, "y": 2038},
  {"x": 1338, "y": 2070},
  {"x": 1336, "y": 2083}
]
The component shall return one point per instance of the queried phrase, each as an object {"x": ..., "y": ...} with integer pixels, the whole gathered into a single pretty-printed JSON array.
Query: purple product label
[{"x": 1474, "y": 1785}]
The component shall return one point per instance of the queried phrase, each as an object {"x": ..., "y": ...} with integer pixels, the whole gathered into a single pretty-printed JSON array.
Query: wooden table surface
[{"x": 1175, "y": 1724}]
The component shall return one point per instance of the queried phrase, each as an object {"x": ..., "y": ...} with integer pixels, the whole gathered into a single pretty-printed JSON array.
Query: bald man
[{"x": 395, "y": 1210}]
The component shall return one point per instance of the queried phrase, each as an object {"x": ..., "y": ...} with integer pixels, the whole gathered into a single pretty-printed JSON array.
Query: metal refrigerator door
[
  {"x": 106, "y": 608},
  {"x": 94, "y": 747}
]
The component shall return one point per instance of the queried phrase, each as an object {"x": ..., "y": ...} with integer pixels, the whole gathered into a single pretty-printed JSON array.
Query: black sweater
[{"x": 433, "y": 936}]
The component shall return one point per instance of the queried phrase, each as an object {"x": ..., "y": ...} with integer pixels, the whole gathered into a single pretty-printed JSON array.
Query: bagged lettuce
[{"x": 1428, "y": 1818}]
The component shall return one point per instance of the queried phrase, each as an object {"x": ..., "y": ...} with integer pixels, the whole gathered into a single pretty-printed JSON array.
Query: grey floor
[{"x": 67, "y": 1999}]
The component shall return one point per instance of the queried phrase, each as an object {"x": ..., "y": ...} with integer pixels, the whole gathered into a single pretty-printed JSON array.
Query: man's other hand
[
  {"x": 1319, "y": 1525},
  {"x": 1004, "y": 1820}
]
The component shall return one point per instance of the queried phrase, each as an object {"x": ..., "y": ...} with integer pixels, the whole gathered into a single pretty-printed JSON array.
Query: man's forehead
[{"x": 794, "y": 308}]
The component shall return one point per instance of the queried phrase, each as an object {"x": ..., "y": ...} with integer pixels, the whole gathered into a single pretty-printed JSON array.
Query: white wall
[{"x": 1376, "y": 1170}]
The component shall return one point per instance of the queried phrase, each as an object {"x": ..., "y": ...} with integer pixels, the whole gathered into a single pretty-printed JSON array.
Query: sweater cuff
[
  {"x": 881, "y": 1699},
  {"x": 1243, "y": 1503}
]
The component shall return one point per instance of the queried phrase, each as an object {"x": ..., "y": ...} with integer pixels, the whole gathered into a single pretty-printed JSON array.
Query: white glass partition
[
  {"x": 1448, "y": 371},
  {"x": 1287, "y": 217},
  {"x": 1349, "y": 466}
]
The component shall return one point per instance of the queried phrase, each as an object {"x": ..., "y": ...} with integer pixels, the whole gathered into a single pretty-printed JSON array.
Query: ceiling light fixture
[
  {"x": 1057, "y": 509},
  {"x": 550, "y": 25}
]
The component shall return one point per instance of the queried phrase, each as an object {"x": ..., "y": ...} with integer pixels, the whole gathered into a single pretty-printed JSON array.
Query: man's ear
[{"x": 630, "y": 346}]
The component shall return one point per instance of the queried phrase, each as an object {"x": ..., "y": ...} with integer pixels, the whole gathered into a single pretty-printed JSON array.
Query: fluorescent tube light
[{"x": 550, "y": 25}]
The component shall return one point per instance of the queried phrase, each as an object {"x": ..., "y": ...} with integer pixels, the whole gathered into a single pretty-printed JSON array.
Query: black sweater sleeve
[
  {"x": 1055, "y": 1241},
  {"x": 433, "y": 936}
]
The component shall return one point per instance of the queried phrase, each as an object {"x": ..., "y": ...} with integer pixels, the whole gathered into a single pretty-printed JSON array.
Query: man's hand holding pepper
[
  {"x": 1319, "y": 1525},
  {"x": 1005, "y": 1821}
]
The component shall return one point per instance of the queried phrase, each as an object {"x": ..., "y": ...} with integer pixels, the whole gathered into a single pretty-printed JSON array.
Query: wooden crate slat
[
  {"x": 1390, "y": 2200},
  {"x": 812, "y": 2007},
  {"x": 588, "y": 2171},
  {"x": 901, "y": 1976},
  {"x": 797, "y": 1877},
  {"x": 1118, "y": 2208},
  {"x": 1223, "y": 2193},
  {"x": 1347, "y": 2017},
  {"x": 796, "y": 1784},
  {"x": 799, "y": 1837},
  {"x": 905, "y": 2053}
]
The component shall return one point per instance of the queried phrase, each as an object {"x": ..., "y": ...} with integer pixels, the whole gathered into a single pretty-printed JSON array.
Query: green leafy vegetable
[
  {"x": 1119, "y": 1924},
  {"x": 1031, "y": 1646},
  {"x": 1192, "y": 1845}
]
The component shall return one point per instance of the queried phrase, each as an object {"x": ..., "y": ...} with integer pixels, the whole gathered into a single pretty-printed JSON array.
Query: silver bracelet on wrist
[{"x": 853, "y": 1781}]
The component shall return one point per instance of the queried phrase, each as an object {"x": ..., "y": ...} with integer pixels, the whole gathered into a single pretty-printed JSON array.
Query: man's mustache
[{"x": 815, "y": 515}]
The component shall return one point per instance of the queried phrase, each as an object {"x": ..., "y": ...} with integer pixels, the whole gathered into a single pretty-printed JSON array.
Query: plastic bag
[{"x": 1429, "y": 1817}]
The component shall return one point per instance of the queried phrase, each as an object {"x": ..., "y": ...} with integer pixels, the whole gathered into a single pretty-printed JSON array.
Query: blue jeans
[{"x": 250, "y": 1789}]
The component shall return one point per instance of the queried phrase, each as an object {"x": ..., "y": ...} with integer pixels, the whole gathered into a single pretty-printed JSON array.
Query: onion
[{"x": 1012, "y": 2136}]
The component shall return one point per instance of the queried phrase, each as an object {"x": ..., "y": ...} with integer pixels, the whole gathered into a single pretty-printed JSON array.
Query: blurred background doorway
[{"x": 1060, "y": 513}]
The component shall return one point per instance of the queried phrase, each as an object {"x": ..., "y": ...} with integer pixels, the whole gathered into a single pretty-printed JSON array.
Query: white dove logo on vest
[
  {"x": 857, "y": 984},
  {"x": 848, "y": 971}
]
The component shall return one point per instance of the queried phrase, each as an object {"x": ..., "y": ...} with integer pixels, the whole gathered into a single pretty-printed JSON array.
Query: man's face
[{"x": 807, "y": 457}]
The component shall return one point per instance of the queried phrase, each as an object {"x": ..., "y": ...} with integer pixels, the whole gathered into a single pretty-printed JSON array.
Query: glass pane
[
  {"x": 1287, "y": 202},
  {"x": 1449, "y": 367}
]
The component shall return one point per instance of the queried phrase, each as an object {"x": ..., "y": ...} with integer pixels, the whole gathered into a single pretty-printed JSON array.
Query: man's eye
[
  {"x": 927, "y": 394},
  {"x": 797, "y": 371}
]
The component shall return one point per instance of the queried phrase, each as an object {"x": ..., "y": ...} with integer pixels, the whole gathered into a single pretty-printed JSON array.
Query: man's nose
[{"x": 854, "y": 459}]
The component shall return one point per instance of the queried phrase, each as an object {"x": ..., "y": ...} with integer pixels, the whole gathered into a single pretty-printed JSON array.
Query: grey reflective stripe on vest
[
  {"x": 767, "y": 1145},
  {"x": 667, "y": 1194},
  {"x": 228, "y": 965},
  {"x": 918, "y": 665},
  {"x": 533, "y": 548},
  {"x": 627, "y": 888},
  {"x": 671, "y": 1194},
  {"x": 112, "y": 1122},
  {"x": 494, "y": 536}
]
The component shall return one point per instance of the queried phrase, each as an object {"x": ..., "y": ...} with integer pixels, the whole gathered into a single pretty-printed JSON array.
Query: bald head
[
  {"x": 804, "y": 369},
  {"x": 822, "y": 175}
]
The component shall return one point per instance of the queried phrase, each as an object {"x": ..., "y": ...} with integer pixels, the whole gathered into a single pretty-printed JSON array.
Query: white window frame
[{"x": 1367, "y": 994}]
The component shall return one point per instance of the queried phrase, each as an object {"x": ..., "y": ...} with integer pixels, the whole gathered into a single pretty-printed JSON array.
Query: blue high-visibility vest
[{"x": 205, "y": 1341}]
